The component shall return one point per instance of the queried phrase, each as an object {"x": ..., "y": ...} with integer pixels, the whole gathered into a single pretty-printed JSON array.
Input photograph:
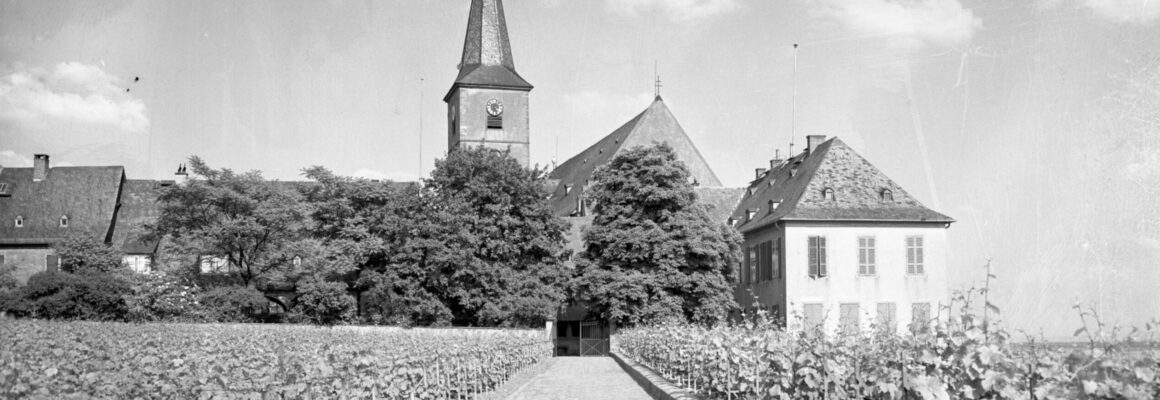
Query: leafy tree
[
  {"x": 652, "y": 253},
  {"x": 494, "y": 236},
  {"x": 324, "y": 303},
  {"x": 83, "y": 253},
  {"x": 241, "y": 217}
]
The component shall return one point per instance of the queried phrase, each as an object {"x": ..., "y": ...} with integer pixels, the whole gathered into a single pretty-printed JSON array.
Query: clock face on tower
[{"x": 494, "y": 107}]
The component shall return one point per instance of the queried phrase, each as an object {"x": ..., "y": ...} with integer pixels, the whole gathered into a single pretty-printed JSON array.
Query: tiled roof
[
  {"x": 721, "y": 201},
  {"x": 139, "y": 206},
  {"x": 87, "y": 195},
  {"x": 799, "y": 184},
  {"x": 487, "y": 53},
  {"x": 655, "y": 125}
]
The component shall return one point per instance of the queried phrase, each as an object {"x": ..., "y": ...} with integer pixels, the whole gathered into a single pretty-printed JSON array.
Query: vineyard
[
  {"x": 51, "y": 360},
  {"x": 960, "y": 360}
]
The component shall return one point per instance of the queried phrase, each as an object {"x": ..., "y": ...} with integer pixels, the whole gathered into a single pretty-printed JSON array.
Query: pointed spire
[
  {"x": 487, "y": 37},
  {"x": 487, "y": 52}
]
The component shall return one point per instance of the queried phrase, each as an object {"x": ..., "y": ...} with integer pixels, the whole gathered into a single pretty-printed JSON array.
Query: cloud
[
  {"x": 395, "y": 176},
  {"x": 1136, "y": 11},
  {"x": 939, "y": 22},
  {"x": 676, "y": 10},
  {"x": 35, "y": 98},
  {"x": 9, "y": 158}
]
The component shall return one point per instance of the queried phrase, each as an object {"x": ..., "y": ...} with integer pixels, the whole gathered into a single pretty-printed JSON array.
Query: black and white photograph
[{"x": 580, "y": 199}]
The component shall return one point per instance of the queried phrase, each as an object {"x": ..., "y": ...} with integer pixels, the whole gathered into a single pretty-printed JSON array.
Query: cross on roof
[{"x": 657, "y": 86}]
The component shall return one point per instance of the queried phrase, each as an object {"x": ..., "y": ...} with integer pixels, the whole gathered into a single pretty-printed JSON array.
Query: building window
[
  {"x": 296, "y": 261},
  {"x": 887, "y": 319},
  {"x": 137, "y": 262},
  {"x": 775, "y": 259},
  {"x": 866, "y": 255},
  {"x": 887, "y": 195},
  {"x": 64, "y": 221},
  {"x": 914, "y": 255},
  {"x": 19, "y": 221},
  {"x": 751, "y": 265},
  {"x": 213, "y": 264},
  {"x": 1, "y": 260},
  {"x": 814, "y": 318},
  {"x": 817, "y": 257},
  {"x": 849, "y": 323},
  {"x": 52, "y": 263},
  {"x": 919, "y": 317},
  {"x": 494, "y": 122},
  {"x": 828, "y": 194},
  {"x": 749, "y": 214}
]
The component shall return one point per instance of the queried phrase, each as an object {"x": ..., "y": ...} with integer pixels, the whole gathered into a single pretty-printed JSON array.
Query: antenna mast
[
  {"x": 420, "y": 128},
  {"x": 793, "y": 111}
]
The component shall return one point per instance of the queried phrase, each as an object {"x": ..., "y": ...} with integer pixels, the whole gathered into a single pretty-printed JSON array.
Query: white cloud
[
  {"x": 677, "y": 10},
  {"x": 9, "y": 158},
  {"x": 1137, "y": 11},
  {"x": 940, "y": 22},
  {"x": 34, "y": 98},
  {"x": 396, "y": 176}
]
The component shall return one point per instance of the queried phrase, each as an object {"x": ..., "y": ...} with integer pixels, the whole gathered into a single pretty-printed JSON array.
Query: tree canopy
[
  {"x": 240, "y": 217},
  {"x": 652, "y": 253}
]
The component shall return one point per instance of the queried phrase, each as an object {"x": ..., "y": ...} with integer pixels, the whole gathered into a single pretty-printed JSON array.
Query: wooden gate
[{"x": 593, "y": 340}]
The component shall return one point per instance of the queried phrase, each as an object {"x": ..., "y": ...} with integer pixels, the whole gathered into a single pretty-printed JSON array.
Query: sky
[{"x": 1035, "y": 124}]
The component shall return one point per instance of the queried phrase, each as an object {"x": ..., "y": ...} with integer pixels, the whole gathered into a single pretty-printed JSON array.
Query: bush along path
[{"x": 961, "y": 359}]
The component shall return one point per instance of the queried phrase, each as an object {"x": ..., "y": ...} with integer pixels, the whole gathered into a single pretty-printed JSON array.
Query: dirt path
[{"x": 581, "y": 378}]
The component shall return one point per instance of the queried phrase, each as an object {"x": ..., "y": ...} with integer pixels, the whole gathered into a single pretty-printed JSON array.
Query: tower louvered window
[{"x": 495, "y": 122}]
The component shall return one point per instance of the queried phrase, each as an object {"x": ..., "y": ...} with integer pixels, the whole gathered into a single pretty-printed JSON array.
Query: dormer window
[
  {"x": 4, "y": 192},
  {"x": 731, "y": 221},
  {"x": 887, "y": 195},
  {"x": 749, "y": 213},
  {"x": 19, "y": 221},
  {"x": 828, "y": 194},
  {"x": 567, "y": 189},
  {"x": 64, "y": 221},
  {"x": 773, "y": 204},
  {"x": 772, "y": 182}
]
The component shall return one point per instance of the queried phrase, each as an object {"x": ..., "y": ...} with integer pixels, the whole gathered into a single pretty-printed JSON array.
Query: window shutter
[
  {"x": 813, "y": 259},
  {"x": 52, "y": 263},
  {"x": 822, "y": 256}
]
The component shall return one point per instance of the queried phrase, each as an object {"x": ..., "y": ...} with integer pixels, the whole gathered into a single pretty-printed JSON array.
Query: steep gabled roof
[
  {"x": 487, "y": 52},
  {"x": 655, "y": 125},
  {"x": 139, "y": 206},
  {"x": 87, "y": 195},
  {"x": 799, "y": 184}
]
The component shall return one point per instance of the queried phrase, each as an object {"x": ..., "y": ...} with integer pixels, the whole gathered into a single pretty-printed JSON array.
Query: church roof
[
  {"x": 656, "y": 124},
  {"x": 799, "y": 184},
  {"x": 88, "y": 196},
  {"x": 487, "y": 54}
]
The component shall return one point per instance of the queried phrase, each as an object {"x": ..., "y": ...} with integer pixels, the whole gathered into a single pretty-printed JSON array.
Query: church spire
[
  {"x": 487, "y": 37},
  {"x": 487, "y": 52}
]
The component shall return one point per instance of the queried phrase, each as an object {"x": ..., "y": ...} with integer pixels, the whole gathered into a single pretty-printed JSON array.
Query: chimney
[
  {"x": 180, "y": 176},
  {"x": 776, "y": 159},
  {"x": 39, "y": 167},
  {"x": 758, "y": 172},
  {"x": 812, "y": 142}
]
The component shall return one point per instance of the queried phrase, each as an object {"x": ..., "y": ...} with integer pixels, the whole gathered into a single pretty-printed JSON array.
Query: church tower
[{"x": 488, "y": 103}]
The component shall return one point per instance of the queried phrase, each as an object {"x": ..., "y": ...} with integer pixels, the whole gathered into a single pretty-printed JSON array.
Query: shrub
[
  {"x": 82, "y": 253},
  {"x": 324, "y": 303},
  {"x": 233, "y": 303},
  {"x": 61, "y": 295},
  {"x": 161, "y": 296}
]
